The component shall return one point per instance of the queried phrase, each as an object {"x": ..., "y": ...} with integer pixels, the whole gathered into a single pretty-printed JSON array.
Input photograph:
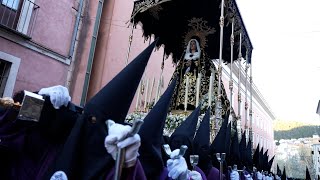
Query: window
[
  {"x": 4, "y": 74},
  {"x": 13, "y": 4},
  {"x": 18, "y": 15}
]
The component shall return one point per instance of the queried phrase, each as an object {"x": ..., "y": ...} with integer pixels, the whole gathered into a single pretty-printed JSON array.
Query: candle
[
  {"x": 146, "y": 95},
  {"x": 157, "y": 92},
  {"x": 210, "y": 89},
  {"x": 198, "y": 89},
  {"x": 138, "y": 96},
  {"x": 186, "y": 93},
  {"x": 151, "y": 90}
]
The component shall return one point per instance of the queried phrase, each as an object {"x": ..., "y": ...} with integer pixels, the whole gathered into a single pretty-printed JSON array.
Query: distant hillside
[
  {"x": 282, "y": 125},
  {"x": 297, "y": 132},
  {"x": 295, "y": 129}
]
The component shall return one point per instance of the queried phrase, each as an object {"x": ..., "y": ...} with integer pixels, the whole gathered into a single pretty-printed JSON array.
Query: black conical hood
[
  {"x": 265, "y": 161},
  {"x": 278, "y": 171},
  {"x": 256, "y": 157},
  {"x": 242, "y": 149},
  {"x": 201, "y": 143},
  {"x": 188, "y": 127},
  {"x": 184, "y": 134},
  {"x": 217, "y": 145},
  {"x": 151, "y": 133},
  {"x": 249, "y": 155},
  {"x": 84, "y": 155},
  {"x": 308, "y": 177},
  {"x": 284, "y": 174},
  {"x": 260, "y": 167},
  {"x": 221, "y": 141},
  {"x": 270, "y": 164},
  {"x": 235, "y": 153},
  {"x": 228, "y": 140},
  {"x": 114, "y": 99}
]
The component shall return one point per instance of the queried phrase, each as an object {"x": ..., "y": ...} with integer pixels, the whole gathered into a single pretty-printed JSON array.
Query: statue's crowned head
[{"x": 199, "y": 30}]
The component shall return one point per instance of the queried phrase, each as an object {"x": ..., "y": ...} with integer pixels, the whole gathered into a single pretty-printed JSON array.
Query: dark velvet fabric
[{"x": 28, "y": 148}]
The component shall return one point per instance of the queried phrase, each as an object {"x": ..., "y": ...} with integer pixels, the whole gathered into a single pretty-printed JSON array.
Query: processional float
[{"x": 218, "y": 27}]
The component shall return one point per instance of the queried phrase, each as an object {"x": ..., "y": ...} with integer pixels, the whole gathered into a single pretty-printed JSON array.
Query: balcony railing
[{"x": 18, "y": 15}]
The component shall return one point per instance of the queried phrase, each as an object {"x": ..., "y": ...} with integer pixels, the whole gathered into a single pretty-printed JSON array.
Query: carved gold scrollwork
[{"x": 199, "y": 28}]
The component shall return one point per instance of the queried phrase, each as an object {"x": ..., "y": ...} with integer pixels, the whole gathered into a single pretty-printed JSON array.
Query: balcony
[{"x": 18, "y": 16}]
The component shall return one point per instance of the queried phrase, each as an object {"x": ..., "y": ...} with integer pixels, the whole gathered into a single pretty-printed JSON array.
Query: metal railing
[{"x": 18, "y": 15}]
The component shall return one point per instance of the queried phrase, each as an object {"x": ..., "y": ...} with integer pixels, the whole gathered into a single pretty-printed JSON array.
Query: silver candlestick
[
  {"x": 194, "y": 160},
  {"x": 221, "y": 158}
]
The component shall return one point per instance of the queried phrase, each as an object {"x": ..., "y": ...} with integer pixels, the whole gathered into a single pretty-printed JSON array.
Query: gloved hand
[
  {"x": 59, "y": 95},
  {"x": 259, "y": 175},
  {"x": 195, "y": 175},
  {"x": 114, "y": 140},
  {"x": 234, "y": 175},
  {"x": 177, "y": 168},
  {"x": 248, "y": 177}
]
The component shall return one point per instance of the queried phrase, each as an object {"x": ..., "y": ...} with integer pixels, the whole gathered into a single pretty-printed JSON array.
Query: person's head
[{"x": 193, "y": 45}]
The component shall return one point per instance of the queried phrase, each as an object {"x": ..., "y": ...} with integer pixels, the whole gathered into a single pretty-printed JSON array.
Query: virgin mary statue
[
  {"x": 196, "y": 64},
  {"x": 189, "y": 69}
]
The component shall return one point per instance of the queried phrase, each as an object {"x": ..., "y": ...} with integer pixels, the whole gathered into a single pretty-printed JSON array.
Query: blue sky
[{"x": 286, "y": 56}]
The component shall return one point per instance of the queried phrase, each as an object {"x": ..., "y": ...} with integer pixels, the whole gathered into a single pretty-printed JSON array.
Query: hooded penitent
[
  {"x": 221, "y": 143},
  {"x": 151, "y": 133},
  {"x": 201, "y": 143},
  {"x": 84, "y": 155},
  {"x": 184, "y": 134}
]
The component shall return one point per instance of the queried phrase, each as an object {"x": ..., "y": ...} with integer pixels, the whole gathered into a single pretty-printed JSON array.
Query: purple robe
[
  {"x": 213, "y": 173},
  {"x": 133, "y": 173},
  {"x": 25, "y": 151},
  {"x": 28, "y": 148},
  {"x": 201, "y": 172}
]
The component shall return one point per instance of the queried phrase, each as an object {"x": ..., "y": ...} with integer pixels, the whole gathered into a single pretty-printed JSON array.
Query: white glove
[
  {"x": 177, "y": 168},
  {"x": 59, "y": 95},
  {"x": 195, "y": 175},
  {"x": 234, "y": 175},
  {"x": 248, "y": 177},
  {"x": 115, "y": 133},
  {"x": 259, "y": 175}
]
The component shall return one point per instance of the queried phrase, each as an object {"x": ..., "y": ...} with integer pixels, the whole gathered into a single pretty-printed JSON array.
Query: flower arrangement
[{"x": 172, "y": 120}]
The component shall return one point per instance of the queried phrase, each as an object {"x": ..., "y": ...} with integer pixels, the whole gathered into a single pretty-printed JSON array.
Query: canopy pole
[
  {"x": 231, "y": 72},
  {"x": 130, "y": 43},
  {"x": 239, "y": 86},
  {"x": 250, "y": 110},
  {"x": 218, "y": 100},
  {"x": 158, "y": 92},
  {"x": 246, "y": 99}
]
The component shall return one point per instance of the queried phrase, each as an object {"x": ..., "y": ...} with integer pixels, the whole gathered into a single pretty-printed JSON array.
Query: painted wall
[
  {"x": 54, "y": 24},
  {"x": 52, "y": 32},
  {"x": 36, "y": 70}
]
